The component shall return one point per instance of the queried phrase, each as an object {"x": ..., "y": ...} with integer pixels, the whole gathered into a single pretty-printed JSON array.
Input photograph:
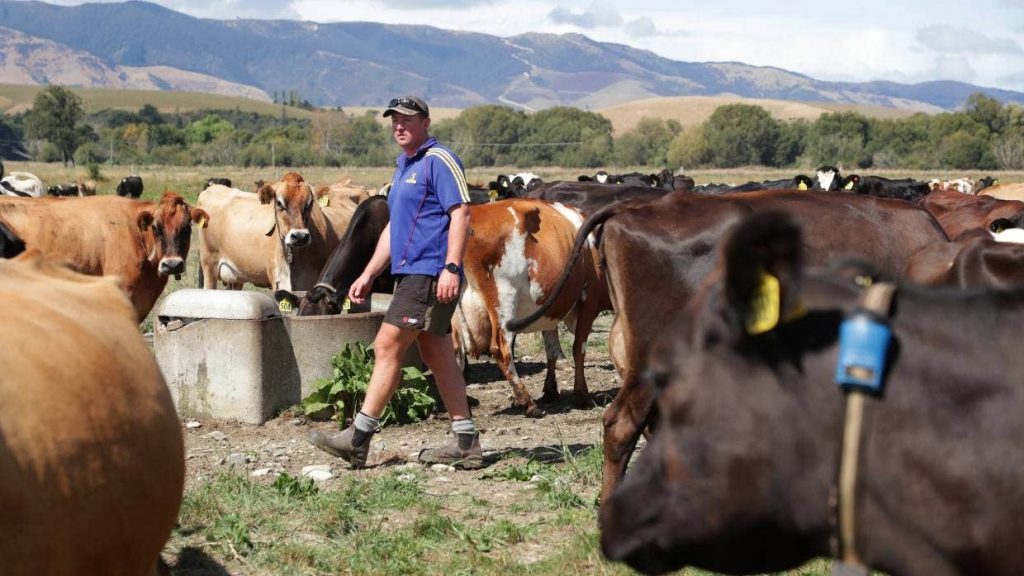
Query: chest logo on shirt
[{"x": 411, "y": 179}]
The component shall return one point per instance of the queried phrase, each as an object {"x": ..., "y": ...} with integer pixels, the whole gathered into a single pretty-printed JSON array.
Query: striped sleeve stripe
[{"x": 460, "y": 178}]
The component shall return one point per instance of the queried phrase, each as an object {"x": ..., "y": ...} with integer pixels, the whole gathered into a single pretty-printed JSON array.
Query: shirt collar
[{"x": 402, "y": 158}]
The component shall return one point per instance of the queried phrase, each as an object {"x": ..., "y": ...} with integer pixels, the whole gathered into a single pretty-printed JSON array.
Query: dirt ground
[{"x": 280, "y": 446}]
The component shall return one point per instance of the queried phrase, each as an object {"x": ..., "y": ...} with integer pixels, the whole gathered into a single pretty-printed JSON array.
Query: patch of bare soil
[{"x": 280, "y": 445}]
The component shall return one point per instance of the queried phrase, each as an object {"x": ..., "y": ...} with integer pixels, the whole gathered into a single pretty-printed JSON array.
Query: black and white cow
[{"x": 130, "y": 186}]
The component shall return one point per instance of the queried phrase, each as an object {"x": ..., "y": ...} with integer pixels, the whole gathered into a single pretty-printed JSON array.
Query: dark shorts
[{"x": 415, "y": 306}]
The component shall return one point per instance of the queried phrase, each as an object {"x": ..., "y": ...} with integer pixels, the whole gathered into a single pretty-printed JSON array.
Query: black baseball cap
[{"x": 409, "y": 105}]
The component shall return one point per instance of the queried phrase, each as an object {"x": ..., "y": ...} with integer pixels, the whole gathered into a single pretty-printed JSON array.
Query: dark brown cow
[
  {"x": 657, "y": 253},
  {"x": 92, "y": 462},
  {"x": 739, "y": 476},
  {"x": 590, "y": 197},
  {"x": 958, "y": 213},
  {"x": 141, "y": 243},
  {"x": 974, "y": 260}
]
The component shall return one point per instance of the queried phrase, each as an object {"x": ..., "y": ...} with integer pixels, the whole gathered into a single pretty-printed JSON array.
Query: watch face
[{"x": 453, "y": 268}]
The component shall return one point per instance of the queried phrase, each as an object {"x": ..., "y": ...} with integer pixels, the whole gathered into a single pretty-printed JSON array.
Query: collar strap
[
  {"x": 328, "y": 287},
  {"x": 853, "y": 377}
]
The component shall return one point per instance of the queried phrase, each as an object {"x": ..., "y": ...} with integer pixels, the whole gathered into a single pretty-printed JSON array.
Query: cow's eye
[{"x": 280, "y": 204}]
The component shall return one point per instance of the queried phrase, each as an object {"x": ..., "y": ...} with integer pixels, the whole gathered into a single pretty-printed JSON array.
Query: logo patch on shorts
[{"x": 407, "y": 320}]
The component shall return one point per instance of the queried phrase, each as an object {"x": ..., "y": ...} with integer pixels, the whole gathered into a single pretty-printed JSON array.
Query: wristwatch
[{"x": 452, "y": 267}]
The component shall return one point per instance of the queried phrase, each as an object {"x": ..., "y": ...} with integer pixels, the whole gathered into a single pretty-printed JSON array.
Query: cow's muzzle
[
  {"x": 297, "y": 238},
  {"x": 170, "y": 266}
]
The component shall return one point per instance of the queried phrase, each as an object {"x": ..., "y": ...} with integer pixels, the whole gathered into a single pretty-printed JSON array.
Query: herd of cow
[{"x": 743, "y": 420}]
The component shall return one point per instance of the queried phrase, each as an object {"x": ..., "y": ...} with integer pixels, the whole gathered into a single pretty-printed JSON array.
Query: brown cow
[
  {"x": 741, "y": 473},
  {"x": 656, "y": 254},
  {"x": 92, "y": 461},
  {"x": 141, "y": 243},
  {"x": 279, "y": 238},
  {"x": 974, "y": 260},
  {"x": 958, "y": 213},
  {"x": 1008, "y": 191},
  {"x": 515, "y": 254}
]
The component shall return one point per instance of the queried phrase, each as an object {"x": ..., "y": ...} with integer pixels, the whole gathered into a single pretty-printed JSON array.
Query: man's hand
[
  {"x": 447, "y": 287},
  {"x": 360, "y": 289}
]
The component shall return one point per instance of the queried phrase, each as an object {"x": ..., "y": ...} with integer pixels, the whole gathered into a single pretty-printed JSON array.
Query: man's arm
[
  {"x": 458, "y": 231},
  {"x": 381, "y": 258}
]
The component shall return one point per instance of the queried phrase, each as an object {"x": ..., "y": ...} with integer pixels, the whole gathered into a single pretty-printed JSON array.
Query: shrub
[{"x": 344, "y": 393}]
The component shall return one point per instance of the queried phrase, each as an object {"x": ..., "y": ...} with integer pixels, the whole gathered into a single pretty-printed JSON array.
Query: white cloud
[
  {"x": 595, "y": 16},
  {"x": 946, "y": 39}
]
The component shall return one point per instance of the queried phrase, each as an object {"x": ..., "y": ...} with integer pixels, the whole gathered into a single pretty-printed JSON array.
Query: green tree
[
  {"x": 56, "y": 113},
  {"x": 483, "y": 135},
  {"x": 987, "y": 112},
  {"x": 839, "y": 139},
  {"x": 647, "y": 143},
  {"x": 741, "y": 134},
  {"x": 207, "y": 130},
  {"x": 566, "y": 137},
  {"x": 688, "y": 150}
]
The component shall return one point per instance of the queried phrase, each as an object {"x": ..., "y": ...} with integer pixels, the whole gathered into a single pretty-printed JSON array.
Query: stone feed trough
[{"x": 231, "y": 354}]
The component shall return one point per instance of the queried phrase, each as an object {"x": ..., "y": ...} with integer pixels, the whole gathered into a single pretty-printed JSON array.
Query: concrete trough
[{"x": 233, "y": 355}]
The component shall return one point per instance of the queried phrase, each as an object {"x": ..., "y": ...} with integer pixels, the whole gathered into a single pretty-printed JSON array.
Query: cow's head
[
  {"x": 167, "y": 229},
  {"x": 828, "y": 178},
  {"x": 293, "y": 201},
  {"x": 733, "y": 479}
]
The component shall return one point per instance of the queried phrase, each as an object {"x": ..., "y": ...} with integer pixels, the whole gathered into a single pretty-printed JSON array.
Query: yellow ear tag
[
  {"x": 202, "y": 222},
  {"x": 492, "y": 194},
  {"x": 764, "y": 305},
  {"x": 284, "y": 306},
  {"x": 849, "y": 185},
  {"x": 802, "y": 186},
  {"x": 324, "y": 201},
  {"x": 346, "y": 305}
]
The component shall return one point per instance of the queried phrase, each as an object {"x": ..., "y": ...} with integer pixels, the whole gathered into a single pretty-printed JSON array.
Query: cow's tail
[{"x": 588, "y": 226}]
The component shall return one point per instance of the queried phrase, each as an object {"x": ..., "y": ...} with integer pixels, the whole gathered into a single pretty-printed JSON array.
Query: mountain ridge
[{"x": 364, "y": 63}]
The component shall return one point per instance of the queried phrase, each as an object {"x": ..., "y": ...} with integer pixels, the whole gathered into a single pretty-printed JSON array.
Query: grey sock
[
  {"x": 365, "y": 427},
  {"x": 464, "y": 426}
]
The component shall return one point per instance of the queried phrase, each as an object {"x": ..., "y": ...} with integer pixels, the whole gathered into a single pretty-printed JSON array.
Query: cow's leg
[
  {"x": 208, "y": 273},
  {"x": 584, "y": 324},
  {"x": 502, "y": 354},
  {"x": 624, "y": 420},
  {"x": 552, "y": 350}
]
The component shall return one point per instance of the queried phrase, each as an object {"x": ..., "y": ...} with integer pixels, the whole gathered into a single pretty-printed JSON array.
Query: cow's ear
[
  {"x": 763, "y": 264},
  {"x": 323, "y": 196},
  {"x": 200, "y": 217},
  {"x": 266, "y": 194},
  {"x": 144, "y": 220},
  {"x": 286, "y": 301}
]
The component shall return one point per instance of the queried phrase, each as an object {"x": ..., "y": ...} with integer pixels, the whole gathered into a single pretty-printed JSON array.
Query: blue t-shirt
[{"x": 429, "y": 183}]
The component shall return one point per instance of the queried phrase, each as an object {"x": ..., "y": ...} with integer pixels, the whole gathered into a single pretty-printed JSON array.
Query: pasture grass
[{"x": 404, "y": 522}]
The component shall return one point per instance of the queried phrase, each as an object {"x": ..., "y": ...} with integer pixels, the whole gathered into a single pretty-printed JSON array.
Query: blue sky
[{"x": 980, "y": 41}]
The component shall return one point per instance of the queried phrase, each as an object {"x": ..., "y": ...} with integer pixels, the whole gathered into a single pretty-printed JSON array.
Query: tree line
[{"x": 984, "y": 135}]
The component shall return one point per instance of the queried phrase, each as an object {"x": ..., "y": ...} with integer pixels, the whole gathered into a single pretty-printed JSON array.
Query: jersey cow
[
  {"x": 656, "y": 254},
  {"x": 141, "y": 243},
  {"x": 279, "y": 238},
  {"x": 90, "y": 483},
  {"x": 741, "y": 473}
]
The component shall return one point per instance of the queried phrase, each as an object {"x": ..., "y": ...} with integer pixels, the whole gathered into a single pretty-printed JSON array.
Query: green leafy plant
[
  {"x": 231, "y": 532},
  {"x": 291, "y": 487},
  {"x": 344, "y": 392}
]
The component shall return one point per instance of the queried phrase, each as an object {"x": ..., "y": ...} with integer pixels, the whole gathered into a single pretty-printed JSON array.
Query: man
[{"x": 424, "y": 244}]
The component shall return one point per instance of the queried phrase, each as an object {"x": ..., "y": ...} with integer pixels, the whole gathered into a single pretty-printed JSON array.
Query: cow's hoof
[
  {"x": 549, "y": 398},
  {"x": 532, "y": 411},
  {"x": 583, "y": 402}
]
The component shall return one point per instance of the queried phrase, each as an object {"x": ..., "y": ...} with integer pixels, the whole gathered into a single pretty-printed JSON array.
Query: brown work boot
[
  {"x": 341, "y": 444},
  {"x": 462, "y": 452}
]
